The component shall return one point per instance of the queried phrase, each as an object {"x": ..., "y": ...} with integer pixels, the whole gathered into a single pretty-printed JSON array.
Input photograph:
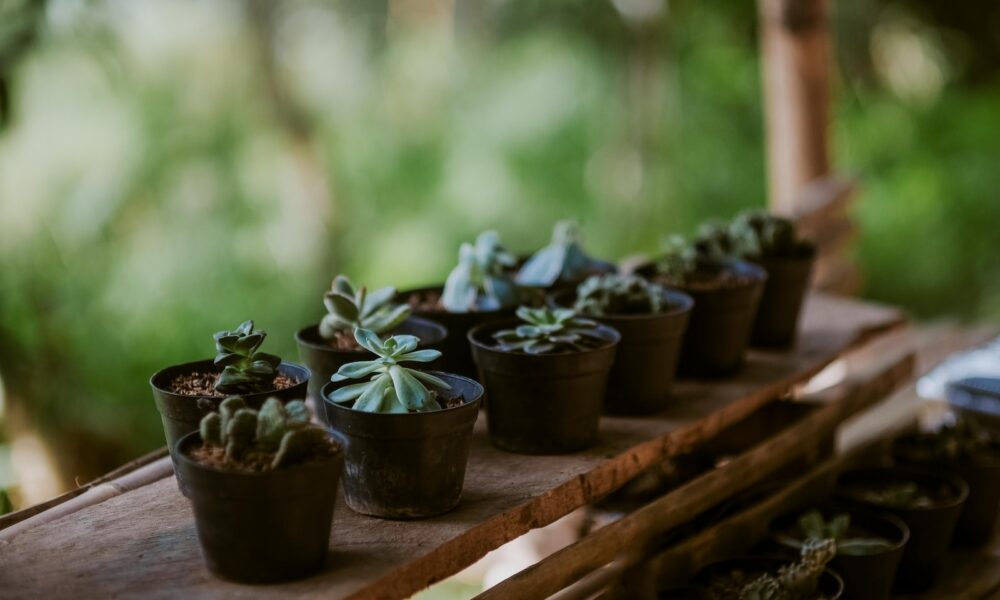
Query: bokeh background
[{"x": 169, "y": 168}]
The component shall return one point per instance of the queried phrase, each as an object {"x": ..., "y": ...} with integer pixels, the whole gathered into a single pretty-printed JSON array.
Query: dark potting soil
[
  {"x": 203, "y": 384},
  {"x": 447, "y": 400},
  {"x": 344, "y": 341},
  {"x": 725, "y": 587},
  {"x": 429, "y": 301},
  {"x": 255, "y": 461}
]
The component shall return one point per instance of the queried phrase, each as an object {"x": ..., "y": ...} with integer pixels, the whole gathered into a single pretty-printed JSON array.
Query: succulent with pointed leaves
[
  {"x": 282, "y": 430},
  {"x": 814, "y": 527},
  {"x": 795, "y": 581},
  {"x": 714, "y": 243},
  {"x": 760, "y": 234},
  {"x": 906, "y": 494},
  {"x": 245, "y": 371},
  {"x": 547, "y": 330},
  {"x": 349, "y": 307},
  {"x": 479, "y": 281},
  {"x": 678, "y": 260},
  {"x": 616, "y": 294},
  {"x": 393, "y": 388},
  {"x": 562, "y": 260}
]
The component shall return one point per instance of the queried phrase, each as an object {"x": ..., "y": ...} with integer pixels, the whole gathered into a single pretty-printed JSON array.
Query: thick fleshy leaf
[
  {"x": 430, "y": 379},
  {"x": 343, "y": 285},
  {"x": 356, "y": 370},
  {"x": 371, "y": 399},
  {"x": 349, "y": 392},
  {"x": 369, "y": 340},
  {"x": 460, "y": 293},
  {"x": 543, "y": 268},
  {"x": 391, "y": 403},
  {"x": 272, "y": 359},
  {"x": 538, "y": 347},
  {"x": 245, "y": 327},
  {"x": 420, "y": 356},
  {"x": 376, "y": 299},
  {"x": 387, "y": 319},
  {"x": 261, "y": 368},
  {"x": 527, "y": 331},
  {"x": 404, "y": 344},
  {"x": 409, "y": 390},
  {"x": 342, "y": 305},
  {"x": 225, "y": 359}
]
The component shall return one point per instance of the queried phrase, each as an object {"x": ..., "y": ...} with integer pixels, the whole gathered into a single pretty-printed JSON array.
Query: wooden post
[{"x": 795, "y": 57}]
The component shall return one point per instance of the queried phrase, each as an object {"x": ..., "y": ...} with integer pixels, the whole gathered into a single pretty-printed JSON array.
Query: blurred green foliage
[{"x": 173, "y": 166}]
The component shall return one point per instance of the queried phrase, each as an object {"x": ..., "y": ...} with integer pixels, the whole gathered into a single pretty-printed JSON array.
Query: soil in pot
[
  {"x": 456, "y": 356},
  {"x": 724, "y": 579},
  {"x": 777, "y": 320},
  {"x": 324, "y": 357},
  {"x": 407, "y": 466},
  {"x": 257, "y": 525},
  {"x": 645, "y": 366},
  {"x": 975, "y": 461},
  {"x": 928, "y": 502},
  {"x": 184, "y": 394},
  {"x": 868, "y": 550},
  {"x": 725, "y": 305},
  {"x": 543, "y": 403}
]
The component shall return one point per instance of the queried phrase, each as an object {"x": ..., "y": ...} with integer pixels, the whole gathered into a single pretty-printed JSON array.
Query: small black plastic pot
[
  {"x": 718, "y": 331},
  {"x": 646, "y": 359},
  {"x": 542, "y": 403},
  {"x": 829, "y": 587},
  {"x": 260, "y": 527},
  {"x": 324, "y": 360},
  {"x": 406, "y": 466},
  {"x": 979, "y": 514},
  {"x": 456, "y": 357},
  {"x": 977, "y": 399},
  {"x": 931, "y": 528},
  {"x": 182, "y": 414},
  {"x": 777, "y": 321},
  {"x": 867, "y": 577}
]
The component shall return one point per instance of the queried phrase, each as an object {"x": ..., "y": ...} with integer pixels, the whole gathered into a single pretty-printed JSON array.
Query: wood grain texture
[{"x": 143, "y": 543}]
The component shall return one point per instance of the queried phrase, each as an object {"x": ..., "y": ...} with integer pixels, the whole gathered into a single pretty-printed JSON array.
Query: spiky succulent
[
  {"x": 480, "y": 281},
  {"x": 349, "y": 307},
  {"x": 562, "y": 260},
  {"x": 280, "y": 429},
  {"x": 245, "y": 371},
  {"x": 795, "y": 581},
  {"x": 616, "y": 294},
  {"x": 549, "y": 330},
  {"x": 678, "y": 260},
  {"x": 714, "y": 243},
  {"x": 760, "y": 234},
  {"x": 393, "y": 388},
  {"x": 814, "y": 527},
  {"x": 905, "y": 494}
]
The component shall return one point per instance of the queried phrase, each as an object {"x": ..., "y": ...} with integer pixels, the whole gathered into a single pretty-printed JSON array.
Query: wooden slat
[{"x": 146, "y": 542}]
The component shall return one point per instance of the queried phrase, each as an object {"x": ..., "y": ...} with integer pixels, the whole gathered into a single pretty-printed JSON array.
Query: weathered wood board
[{"x": 143, "y": 542}]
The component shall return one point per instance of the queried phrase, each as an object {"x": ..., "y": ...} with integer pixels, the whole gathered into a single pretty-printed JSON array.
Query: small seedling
[
  {"x": 349, "y": 307},
  {"x": 479, "y": 281},
  {"x": 393, "y": 388},
  {"x": 245, "y": 371},
  {"x": 546, "y": 330}
]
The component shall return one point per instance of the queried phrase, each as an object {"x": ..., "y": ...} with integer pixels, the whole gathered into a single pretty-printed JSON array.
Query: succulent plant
[
  {"x": 678, "y": 260},
  {"x": 479, "y": 281},
  {"x": 897, "y": 495},
  {"x": 760, "y": 234},
  {"x": 349, "y": 308},
  {"x": 814, "y": 527},
  {"x": 615, "y": 294},
  {"x": 795, "y": 581},
  {"x": 715, "y": 244},
  {"x": 281, "y": 430},
  {"x": 547, "y": 330},
  {"x": 562, "y": 260},
  {"x": 393, "y": 387},
  {"x": 245, "y": 371},
  {"x": 963, "y": 441}
]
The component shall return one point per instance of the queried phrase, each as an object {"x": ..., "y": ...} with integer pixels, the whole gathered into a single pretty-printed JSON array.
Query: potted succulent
[
  {"x": 726, "y": 293},
  {"x": 407, "y": 431},
  {"x": 187, "y": 392},
  {"x": 771, "y": 242},
  {"x": 971, "y": 452},
  {"x": 928, "y": 502},
  {"x": 546, "y": 376},
  {"x": 773, "y": 578},
  {"x": 869, "y": 545},
  {"x": 262, "y": 485},
  {"x": 325, "y": 346},
  {"x": 478, "y": 289},
  {"x": 651, "y": 320},
  {"x": 562, "y": 264}
]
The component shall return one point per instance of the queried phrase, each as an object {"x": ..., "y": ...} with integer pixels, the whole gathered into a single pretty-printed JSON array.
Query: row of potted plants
[
  {"x": 884, "y": 529},
  {"x": 403, "y": 432}
]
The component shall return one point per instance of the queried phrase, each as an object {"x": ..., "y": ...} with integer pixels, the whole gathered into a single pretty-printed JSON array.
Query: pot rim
[
  {"x": 300, "y": 337},
  {"x": 181, "y": 455},
  {"x": 609, "y": 344},
  {"x": 324, "y": 393},
  {"x": 699, "y": 575},
  {"x": 960, "y": 484},
  {"x": 681, "y": 303},
  {"x": 190, "y": 366},
  {"x": 896, "y": 522},
  {"x": 436, "y": 311}
]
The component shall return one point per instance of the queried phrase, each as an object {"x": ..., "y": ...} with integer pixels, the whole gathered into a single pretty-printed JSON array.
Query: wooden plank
[
  {"x": 634, "y": 530},
  {"x": 146, "y": 542}
]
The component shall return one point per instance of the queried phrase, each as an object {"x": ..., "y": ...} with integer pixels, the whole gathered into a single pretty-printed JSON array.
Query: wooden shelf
[{"x": 143, "y": 542}]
